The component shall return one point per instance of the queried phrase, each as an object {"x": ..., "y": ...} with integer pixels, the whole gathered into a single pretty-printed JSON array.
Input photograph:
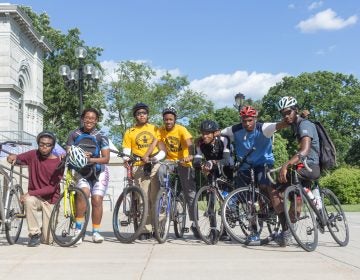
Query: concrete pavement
[{"x": 180, "y": 259}]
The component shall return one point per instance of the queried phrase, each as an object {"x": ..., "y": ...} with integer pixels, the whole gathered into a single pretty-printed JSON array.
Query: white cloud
[
  {"x": 325, "y": 20},
  {"x": 326, "y": 51},
  {"x": 315, "y": 5},
  {"x": 221, "y": 88},
  {"x": 291, "y": 6}
]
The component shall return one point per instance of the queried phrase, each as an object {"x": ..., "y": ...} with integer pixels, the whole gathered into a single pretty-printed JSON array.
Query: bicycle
[
  {"x": 131, "y": 208},
  {"x": 12, "y": 211},
  {"x": 247, "y": 212},
  {"x": 169, "y": 205},
  {"x": 305, "y": 218},
  {"x": 207, "y": 208},
  {"x": 63, "y": 216}
]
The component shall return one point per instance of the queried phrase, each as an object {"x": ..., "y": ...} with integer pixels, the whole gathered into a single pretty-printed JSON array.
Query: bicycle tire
[
  {"x": 180, "y": 216},
  {"x": 15, "y": 215},
  {"x": 162, "y": 215},
  {"x": 129, "y": 225},
  {"x": 4, "y": 182},
  {"x": 300, "y": 218},
  {"x": 204, "y": 216},
  {"x": 62, "y": 225},
  {"x": 336, "y": 218},
  {"x": 239, "y": 219}
]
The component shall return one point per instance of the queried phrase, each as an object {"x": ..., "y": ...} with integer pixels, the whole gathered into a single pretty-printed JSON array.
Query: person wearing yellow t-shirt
[
  {"x": 141, "y": 140},
  {"x": 179, "y": 146}
]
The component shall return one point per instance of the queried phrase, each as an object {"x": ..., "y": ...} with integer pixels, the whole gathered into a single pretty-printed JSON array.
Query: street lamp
[
  {"x": 239, "y": 100},
  {"x": 86, "y": 77}
]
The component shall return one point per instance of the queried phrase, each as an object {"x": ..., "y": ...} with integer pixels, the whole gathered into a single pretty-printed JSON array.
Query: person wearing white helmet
[
  {"x": 44, "y": 186},
  {"x": 309, "y": 147}
]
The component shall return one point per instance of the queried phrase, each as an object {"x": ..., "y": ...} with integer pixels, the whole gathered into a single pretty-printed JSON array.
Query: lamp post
[
  {"x": 85, "y": 77},
  {"x": 239, "y": 100}
]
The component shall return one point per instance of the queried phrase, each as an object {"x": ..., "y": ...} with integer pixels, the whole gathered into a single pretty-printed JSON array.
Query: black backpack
[{"x": 327, "y": 153}]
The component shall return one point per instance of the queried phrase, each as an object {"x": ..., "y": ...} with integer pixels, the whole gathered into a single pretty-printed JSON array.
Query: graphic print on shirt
[
  {"x": 144, "y": 139},
  {"x": 173, "y": 144}
]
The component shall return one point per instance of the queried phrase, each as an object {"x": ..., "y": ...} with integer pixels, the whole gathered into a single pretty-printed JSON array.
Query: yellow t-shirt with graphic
[
  {"x": 139, "y": 138},
  {"x": 175, "y": 142}
]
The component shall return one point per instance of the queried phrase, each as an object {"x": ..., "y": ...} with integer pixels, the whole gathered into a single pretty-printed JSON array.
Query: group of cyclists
[{"x": 172, "y": 142}]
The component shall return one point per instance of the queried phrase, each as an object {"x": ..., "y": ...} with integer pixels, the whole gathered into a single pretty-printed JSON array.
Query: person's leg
[
  {"x": 188, "y": 187},
  {"x": 46, "y": 213},
  {"x": 80, "y": 202},
  {"x": 154, "y": 189},
  {"x": 32, "y": 205}
]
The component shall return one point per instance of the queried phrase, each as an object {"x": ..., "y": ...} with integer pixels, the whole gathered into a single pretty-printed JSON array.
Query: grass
[{"x": 351, "y": 207}]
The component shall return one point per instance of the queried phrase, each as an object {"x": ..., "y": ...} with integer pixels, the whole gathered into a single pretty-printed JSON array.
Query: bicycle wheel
[
  {"x": 243, "y": 218},
  {"x": 337, "y": 222},
  {"x": 300, "y": 218},
  {"x": 207, "y": 215},
  {"x": 130, "y": 213},
  {"x": 179, "y": 216},
  {"x": 15, "y": 215},
  {"x": 162, "y": 215},
  {"x": 62, "y": 219}
]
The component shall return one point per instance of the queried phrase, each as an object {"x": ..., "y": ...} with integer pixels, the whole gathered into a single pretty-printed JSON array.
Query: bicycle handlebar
[{"x": 244, "y": 159}]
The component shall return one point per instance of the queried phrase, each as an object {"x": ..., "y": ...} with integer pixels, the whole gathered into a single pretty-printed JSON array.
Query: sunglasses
[
  {"x": 139, "y": 113},
  {"x": 286, "y": 113},
  {"x": 48, "y": 145}
]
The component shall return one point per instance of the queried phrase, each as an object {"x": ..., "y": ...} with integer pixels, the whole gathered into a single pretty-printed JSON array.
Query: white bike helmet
[
  {"x": 77, "y": 157},
  {"x": 286, "y": 102}
]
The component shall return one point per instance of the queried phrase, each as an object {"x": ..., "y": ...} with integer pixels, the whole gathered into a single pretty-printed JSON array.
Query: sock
[
  {"x": 79, "y": 222},
  {"x": 96, "y": 228}
]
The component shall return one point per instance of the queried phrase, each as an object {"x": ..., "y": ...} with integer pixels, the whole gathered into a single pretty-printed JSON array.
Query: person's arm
[
  {"x": 104, "y": 159},
  {"x": 191, "y": 148},
  {"x": 305, "y": 144},
  {"x": 11, "y": 158},
  {"x": 228, "y": 132},
  {"x": 269, "y": 129}
]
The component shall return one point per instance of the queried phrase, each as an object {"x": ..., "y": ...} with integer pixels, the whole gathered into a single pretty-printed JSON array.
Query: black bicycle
[
  {"x": 247, "y": 212},
  {"x": 170, "y": 205},
  {"x": 305, "y": 217}
]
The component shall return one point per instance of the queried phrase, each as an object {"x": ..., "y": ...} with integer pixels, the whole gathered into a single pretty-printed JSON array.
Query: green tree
[
  {"x": 332, "y": 98},
  {"x": 137, "y": 83},
  {"x": 63, "y": 105}
]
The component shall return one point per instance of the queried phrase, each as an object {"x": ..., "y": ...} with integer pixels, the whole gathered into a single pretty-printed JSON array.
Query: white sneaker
[
  {"x": 97, "y": 238},
  {"x": 77, "y": 232}
]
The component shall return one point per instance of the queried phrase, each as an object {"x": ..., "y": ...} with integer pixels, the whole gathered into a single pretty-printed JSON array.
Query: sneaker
[
  {"x": 224, "y": 236},
  {"x": 34, "y": 240},
  {"x": 195, "y": 232},
  {"x": 253, "y": 237},
  {"x": 76, "y": 234},
  {"x": 97, "y": 237},
  {"x": 283, "y": 238}
]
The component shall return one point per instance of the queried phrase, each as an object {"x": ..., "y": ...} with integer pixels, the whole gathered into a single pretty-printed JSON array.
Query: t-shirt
[
  {"x": 44, "y": 179},
  {"x": 139, "y": 138},
  {"x": 175, "y": 142}
]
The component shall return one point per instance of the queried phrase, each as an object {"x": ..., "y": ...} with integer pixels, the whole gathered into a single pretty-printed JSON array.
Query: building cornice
[
  {"x": 36, "y": 104},
  {"x": 25, "y": 22},
  {"x": 12, "y": 87}
]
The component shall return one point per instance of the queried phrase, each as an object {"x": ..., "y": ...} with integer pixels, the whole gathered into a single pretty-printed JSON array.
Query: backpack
[
  {"x": 327, "y": 153},
  {"x": 90, "y": 144}
]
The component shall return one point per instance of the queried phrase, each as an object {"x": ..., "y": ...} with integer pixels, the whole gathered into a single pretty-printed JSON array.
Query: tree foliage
[
  {"x": 137, "y": 82},
  {"x": 332, "y": 98},
  {"x": 63, "y": 105}
]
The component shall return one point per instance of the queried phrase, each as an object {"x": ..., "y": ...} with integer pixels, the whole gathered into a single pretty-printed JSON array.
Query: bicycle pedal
[
  {"x": 20, "y": 215},
  {"x": 186, "y": 230}
]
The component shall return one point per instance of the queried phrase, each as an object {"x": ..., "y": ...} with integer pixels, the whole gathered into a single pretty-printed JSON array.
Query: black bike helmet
[
  {"x": 46, "y": 133},
  {"x": 139, "y": 106},
  {"x": 209, "y": 126},
  {"x": 169, "y": 110}
]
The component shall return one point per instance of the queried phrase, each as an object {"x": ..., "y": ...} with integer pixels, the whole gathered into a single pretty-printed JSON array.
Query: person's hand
[
  {"x": 145, "y": 159},
  {"x": 11, "y": 159},
  {"x": 188, "y": 158},
  {"x": 282, "y": 174},
  {"x": 88, "y": 154},
  {"x": 24, "y": 197}
]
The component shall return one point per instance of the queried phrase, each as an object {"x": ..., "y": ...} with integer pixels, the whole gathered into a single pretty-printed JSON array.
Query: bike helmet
[
  {"x": 209, "y": 126},
  {"x": 248, "y": 111},
  {"x": 46, "y": 133},
  {"x": 286, "y": 102},
  {"x": 169, "y": 110},
  {"x": 139, "y": 106},
  {"x": 77, "y": 157}
]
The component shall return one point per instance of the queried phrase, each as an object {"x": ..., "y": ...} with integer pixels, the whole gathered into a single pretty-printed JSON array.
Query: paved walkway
[{"x": 181, "y": 259}]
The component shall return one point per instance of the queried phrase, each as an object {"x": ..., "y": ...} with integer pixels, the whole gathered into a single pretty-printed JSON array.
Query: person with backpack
[
  {"x": 142, "y": 141},
  {"x": 309, "y": 148},
  {"x": 93, "y": 179},
  {"x": 253, "y": 135}
]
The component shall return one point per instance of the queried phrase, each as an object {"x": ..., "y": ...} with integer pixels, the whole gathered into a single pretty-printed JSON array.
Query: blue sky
[{"x": 223, "y": 47}]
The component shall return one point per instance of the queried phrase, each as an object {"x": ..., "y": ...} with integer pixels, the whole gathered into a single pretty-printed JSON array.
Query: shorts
[
  {"x": 96, "y": 187},
  {"x": 243, "y": 177}
]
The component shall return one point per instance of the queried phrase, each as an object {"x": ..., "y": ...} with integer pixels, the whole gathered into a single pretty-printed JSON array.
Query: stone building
[{"x": 22, "y": 51}]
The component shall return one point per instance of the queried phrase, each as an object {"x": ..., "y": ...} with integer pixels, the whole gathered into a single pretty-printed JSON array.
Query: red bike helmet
[{"x": 248, "y": 111}]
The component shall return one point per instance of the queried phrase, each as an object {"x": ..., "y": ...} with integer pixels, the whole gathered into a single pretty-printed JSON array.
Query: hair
[{"x": 92, "y": 110}]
